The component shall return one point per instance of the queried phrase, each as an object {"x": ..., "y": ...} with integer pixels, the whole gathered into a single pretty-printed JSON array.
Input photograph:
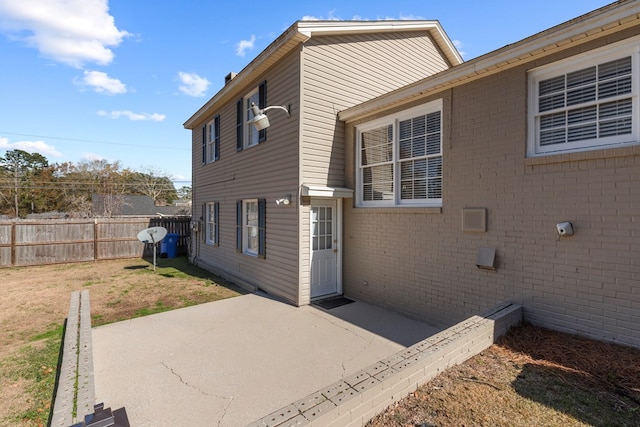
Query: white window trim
[
  {"x": 211, "y": 223},
  {"x": 246, "y": 228},
  {"x": 251, "y": 137},
  {"x": 629, "y": 47},
  {"x": 394, "y": 119}
]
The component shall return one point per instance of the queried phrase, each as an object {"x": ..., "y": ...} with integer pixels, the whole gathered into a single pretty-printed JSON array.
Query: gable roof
[
  {"x": 300, "y": 32},
  {"x": 598, "y": 23}
]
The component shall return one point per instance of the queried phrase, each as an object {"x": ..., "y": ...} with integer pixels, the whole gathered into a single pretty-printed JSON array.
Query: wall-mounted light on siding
[
  {"x": 286, "y": 200},
  {"x": 260, "y": 119}
]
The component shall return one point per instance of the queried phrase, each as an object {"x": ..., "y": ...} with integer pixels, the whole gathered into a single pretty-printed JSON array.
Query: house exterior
[
  {"x": 463, "y": 180},
  {"x": 268, "y": 204}
]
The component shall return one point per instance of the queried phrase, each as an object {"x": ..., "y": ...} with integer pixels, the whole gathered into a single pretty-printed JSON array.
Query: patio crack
[
  {"x": 226, "y": 408},
  {"x": 367, "y": 340},
  {"x": 184, "y": 382},
  {"x": 229, "y": 399}
]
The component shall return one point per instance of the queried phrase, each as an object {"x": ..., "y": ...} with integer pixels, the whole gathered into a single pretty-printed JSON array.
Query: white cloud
[
  {"x": 73, "y": 32},
  {"x": 155, "y": 117},
  {"x": 244, "y": 45},
  {"x": 91, "y": 157},
  {"x": 410, "y": 17},
  {"x": 193, "y": 84},
  {"x": 30, "y": 147},
  {"x": 101, "y": 82},
  {"x": 331, "y": 17}
]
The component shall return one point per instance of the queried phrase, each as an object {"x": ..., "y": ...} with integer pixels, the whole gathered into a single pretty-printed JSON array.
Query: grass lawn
[
  {"x": 531, "y": 377},
  {"x": 34, "y": 302}
]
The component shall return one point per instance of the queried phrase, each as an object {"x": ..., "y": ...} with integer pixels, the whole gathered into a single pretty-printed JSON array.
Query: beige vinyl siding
[
  {"x": 342, "y": 71},
  {"x": 419, "y": 261},
  {"x": 267, "y": 171},
  {"x": 339, "y": 72}
]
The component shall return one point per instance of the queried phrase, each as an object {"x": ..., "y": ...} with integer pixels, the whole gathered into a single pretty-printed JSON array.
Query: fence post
[
  {"x": 95, "y": 239},
  {"x": 13, "y": 243}
]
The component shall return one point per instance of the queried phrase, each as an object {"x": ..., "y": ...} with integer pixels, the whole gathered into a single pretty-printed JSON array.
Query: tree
[
  {"x": 20, "y": 167},
  {"x": 106, "y": 180},
  {"x": 184, "y": 192},
  {"x": 154, "y": 184}
]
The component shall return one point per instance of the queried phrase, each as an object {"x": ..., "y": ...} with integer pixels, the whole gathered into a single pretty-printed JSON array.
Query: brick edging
[
  {"x": 357, "y": 398},
  {"x": 77, "y": 362}
]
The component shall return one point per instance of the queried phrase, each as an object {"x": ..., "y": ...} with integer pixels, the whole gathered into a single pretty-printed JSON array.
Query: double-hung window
[
  {"x": 211, "y": 138},
  {"x": 400, "y": 158},
  {"x": 212, "y": 210},
  {"x": 585, "y": 102},
  {"x": 246, "y": 133},
  {"x": 251, "y": 227}
]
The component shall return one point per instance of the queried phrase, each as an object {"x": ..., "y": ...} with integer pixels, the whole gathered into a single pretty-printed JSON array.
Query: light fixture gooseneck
[{"x": 260, "y": 119}]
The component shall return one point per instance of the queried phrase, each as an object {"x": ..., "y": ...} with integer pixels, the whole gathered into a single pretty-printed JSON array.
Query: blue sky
[{"x": 115, "y": 80}]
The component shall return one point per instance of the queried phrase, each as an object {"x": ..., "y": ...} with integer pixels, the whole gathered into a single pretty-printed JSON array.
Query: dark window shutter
[
  {"x": 239, "y": 226},
  {"x": 204, "y": 144},
  {"x": 239, "y": 124},
  {"x": 216, "y": 125},
  {"x": 262, "y": 100},
  {"x": 216, "y": 219},
  {"x": 262, "y": 228}
]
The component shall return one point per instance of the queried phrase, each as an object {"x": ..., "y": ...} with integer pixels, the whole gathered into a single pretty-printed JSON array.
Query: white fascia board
[{"x": 321, "y": 28}]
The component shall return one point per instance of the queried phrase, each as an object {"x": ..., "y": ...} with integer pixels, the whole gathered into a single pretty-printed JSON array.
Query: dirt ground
[{"x": 35, "y": 300}]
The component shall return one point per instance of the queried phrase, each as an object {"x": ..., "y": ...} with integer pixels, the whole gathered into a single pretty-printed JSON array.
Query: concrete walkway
[{"x": 231, "y": 362}]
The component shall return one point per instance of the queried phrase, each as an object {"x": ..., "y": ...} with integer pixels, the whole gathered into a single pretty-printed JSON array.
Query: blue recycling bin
[{"x": 169, "y": 245}]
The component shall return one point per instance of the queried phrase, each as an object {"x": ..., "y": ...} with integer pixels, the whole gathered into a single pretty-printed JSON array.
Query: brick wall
[{"x": 419, "y": 261}]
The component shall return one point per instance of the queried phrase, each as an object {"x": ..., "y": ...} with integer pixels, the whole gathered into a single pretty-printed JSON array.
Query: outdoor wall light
[
  {"x": 260, "y": 119},
  {"x": 286, "y": 200}
]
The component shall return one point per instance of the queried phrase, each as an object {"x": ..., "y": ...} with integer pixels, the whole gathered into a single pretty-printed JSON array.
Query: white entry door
[{"x": 324, "y": 248}]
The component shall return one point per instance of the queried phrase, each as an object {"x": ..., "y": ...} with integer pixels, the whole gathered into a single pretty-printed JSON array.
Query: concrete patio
[{"x": 234, "y": 361}]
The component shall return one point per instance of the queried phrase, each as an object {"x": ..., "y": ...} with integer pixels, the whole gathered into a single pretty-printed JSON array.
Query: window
[
  {"x": 246, "y": 134},
  {"x": 211, "y": 138},
  {"x": 585, "y": 102},
  {"x": 211, "y": 215},
  {"x": 251, "y": 227},
  {"x": 400, "y": 158}
]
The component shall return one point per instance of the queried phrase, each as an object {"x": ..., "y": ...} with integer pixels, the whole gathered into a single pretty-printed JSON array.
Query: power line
[{"x": 95, "y": 141}]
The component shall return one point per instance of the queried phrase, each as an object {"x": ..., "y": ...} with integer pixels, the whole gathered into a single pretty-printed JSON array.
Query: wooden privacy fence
[{"x": 53, "y": 241}]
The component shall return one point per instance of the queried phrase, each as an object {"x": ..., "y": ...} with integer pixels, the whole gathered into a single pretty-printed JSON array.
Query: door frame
[{"x": 319, "y": 201}]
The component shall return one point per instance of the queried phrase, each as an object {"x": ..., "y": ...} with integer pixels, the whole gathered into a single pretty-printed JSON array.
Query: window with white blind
[
  {"x": 251, "y": 227},
  {"x": 586, "y": 102},
  {"x": 400, "y": 158},
  {"x": 246, "y": 133},
  {"x": 211, "y": 225}
]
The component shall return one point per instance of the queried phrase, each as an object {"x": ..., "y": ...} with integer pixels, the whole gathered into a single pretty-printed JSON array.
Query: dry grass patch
[
  {"x": 531, "y": 377},
  {"x": 34, "y": 302}
]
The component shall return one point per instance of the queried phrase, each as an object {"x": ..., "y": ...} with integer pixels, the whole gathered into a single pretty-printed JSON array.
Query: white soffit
[{"x": 320, "y": 191}]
